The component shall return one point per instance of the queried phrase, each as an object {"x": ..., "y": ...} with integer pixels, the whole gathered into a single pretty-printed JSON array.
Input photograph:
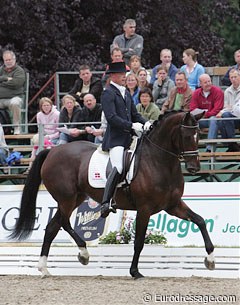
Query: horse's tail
[{"x": 25, "y": 223}]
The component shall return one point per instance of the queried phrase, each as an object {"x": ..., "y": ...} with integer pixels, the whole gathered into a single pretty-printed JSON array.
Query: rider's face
[{"x": 119, "y": 78}]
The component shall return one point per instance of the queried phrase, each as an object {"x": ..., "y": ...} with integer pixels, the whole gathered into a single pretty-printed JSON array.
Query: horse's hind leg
[
  {"x": 52, "y": 229},
  {"x": 83, "y": 255},
  {"x": 184, "y": 212}
]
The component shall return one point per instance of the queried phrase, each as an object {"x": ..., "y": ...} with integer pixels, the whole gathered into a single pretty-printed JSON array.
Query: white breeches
[{"x": 116, "y": 157}]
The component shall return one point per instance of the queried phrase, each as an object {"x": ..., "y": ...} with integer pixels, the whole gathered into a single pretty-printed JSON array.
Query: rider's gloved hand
[
  {"x": 147, "y": 125},
  {"x": 137, "y": 126}
]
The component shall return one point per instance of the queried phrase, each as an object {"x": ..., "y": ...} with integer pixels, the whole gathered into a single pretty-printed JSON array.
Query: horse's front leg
[
  {"x": 141, "y": 228},
  {"x": 184, "y": 212}
]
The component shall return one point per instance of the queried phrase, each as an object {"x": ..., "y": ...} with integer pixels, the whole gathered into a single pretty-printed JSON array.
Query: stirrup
[{"x": 107, "y": 208}]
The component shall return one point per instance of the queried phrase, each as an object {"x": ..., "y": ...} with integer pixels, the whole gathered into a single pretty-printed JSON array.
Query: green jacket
[
  {"x": 14, "y": 87},
  {"x": 151, "y": 112}
]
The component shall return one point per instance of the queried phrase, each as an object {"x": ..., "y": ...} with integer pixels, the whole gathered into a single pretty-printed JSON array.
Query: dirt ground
[{"x": 68, "y": 290}]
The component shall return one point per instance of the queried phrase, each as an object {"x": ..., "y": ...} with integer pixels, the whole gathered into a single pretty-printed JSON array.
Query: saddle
[
  {"x": 100, "y": 166},
  {"x": 127, "y": 159}
]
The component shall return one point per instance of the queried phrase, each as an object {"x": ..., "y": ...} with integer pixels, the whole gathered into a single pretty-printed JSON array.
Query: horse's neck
[{"x": 159, "y": 149}]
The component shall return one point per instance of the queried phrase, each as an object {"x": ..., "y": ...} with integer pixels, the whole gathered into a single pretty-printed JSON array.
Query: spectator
[
  {"x": 116, "y": 56},
  {"x": 147, "y": 107},
  {"x": 129, "y": 42},
  {"x": 142, "y": 76},
  {"x": 70, "y": 113},
  {"x": 134, "y": 64},
  {"x": 91, "y": 112},
  {"x": 132, "y": 87},
  {"x": 180, "y": 95},
  {"x": 3, "y": 149},
  {"x": 12, "y": 79},
  {"x": 162, "y": 86},
  {"x": 191, "y": 68},
  {"x": 99, "y": 132},
  {"x": 210, "y": 99},
  {"x": 226, "y": 81},
  {"x": 122, "y": 117},
  {"x": 86, "y": 83},
  {"x": 49, "y": 117},
  {"x": 231, "y": 109},
  {"x": 166, "y": 61}
]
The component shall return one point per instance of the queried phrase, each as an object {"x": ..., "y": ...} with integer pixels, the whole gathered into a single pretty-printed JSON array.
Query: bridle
[
  {"x": 181, "y": 156},
  {"x": 188, "y": 153}
]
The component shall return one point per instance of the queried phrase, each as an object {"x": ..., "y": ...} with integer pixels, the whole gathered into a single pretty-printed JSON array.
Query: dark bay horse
[{"x": 158, "y": 185}]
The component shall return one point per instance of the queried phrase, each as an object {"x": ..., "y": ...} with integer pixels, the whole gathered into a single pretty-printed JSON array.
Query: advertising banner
[{"x": 218, "y": 203}]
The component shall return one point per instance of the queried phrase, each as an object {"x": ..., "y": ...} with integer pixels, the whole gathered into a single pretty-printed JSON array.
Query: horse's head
[
  {"x": 176, "y": 134},
  {"x": 188, "y": 141}
]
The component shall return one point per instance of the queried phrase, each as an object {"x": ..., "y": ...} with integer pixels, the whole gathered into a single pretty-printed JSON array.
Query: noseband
[{"x": 183, "y": 154}]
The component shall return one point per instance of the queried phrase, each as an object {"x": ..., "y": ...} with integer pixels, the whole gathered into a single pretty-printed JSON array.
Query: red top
[{"x": 213, "y": 102}]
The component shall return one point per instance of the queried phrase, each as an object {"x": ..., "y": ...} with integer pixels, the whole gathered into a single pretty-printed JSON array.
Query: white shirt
[{"x": 122, "y": 89}]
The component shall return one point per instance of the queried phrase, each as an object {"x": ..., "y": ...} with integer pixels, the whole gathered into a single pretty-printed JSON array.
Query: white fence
[{"x": 155, "y": 261}]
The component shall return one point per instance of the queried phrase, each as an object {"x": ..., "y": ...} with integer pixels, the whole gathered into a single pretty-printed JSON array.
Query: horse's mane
[{"x": 162, "y": 118}]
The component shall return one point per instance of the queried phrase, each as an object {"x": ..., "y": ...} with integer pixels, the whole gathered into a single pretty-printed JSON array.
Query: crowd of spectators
[{"x": 165, "y": 88}]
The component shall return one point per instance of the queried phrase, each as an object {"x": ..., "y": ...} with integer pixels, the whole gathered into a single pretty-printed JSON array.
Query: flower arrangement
[{"x": 127, "y": 234}]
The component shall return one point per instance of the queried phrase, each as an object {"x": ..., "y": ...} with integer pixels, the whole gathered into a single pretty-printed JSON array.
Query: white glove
[
  {"x": 137, "y": 126},
  {"x": 147, "y": 125}
]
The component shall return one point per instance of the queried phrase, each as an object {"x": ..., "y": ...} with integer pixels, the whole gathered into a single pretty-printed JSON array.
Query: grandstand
[{"x": 217, "y": 165}]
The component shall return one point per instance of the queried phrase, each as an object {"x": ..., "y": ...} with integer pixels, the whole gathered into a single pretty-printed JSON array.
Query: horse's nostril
[{"x": 192, "y": 170}]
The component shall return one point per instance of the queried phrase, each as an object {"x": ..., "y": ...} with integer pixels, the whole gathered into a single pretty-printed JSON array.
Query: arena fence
[{"x": 115, "y": 260}]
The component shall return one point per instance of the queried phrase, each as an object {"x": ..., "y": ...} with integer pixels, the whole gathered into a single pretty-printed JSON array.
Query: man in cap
[{"x": 122, "y": 117}]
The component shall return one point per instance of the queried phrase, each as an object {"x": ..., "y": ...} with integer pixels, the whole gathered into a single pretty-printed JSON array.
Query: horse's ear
[{"x": 199, "y": 115}]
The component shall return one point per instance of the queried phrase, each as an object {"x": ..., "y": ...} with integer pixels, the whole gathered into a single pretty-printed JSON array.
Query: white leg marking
[
  {"x": 42, "y": 266},
  {"x": 83, "y": 256},
  {"x": 84, "y": 252},
  {"x": 210, "y": 262},
  {"x": 211, "y": 257}
]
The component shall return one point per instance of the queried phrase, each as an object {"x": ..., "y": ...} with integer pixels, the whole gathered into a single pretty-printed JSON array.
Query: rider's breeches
[{"x": 116, "y": 157}]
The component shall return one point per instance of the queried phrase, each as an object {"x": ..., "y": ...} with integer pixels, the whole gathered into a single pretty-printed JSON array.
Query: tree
[{"x": 49, "y": 36}]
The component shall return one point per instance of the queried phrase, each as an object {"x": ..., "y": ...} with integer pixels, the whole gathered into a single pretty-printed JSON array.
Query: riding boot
[{"x": 107, "y": 202}]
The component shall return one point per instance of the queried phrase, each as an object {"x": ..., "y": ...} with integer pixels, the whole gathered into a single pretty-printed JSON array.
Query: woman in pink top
[{"x": 49, "y": 117}]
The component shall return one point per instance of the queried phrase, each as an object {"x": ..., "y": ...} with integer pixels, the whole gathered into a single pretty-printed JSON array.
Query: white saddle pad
[{"x": 97, "y": 169}]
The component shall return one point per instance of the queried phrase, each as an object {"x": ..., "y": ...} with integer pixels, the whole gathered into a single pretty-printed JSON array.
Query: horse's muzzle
[{"x": 192, "y": 169}]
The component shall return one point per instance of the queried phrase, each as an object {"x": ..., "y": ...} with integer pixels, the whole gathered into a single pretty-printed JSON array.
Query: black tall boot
[{"x": 109, "y": 190}]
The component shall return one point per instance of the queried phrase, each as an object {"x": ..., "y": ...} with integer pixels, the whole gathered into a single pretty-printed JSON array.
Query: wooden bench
[
  {"x": 19, "y": 136},
  {"x": 211, "y": 175},
  {"x": 214, "y": 142},
  {"x": 20, "y": 148}
]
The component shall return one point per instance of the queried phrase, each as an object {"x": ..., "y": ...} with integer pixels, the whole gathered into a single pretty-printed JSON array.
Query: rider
[{"x": 122, "y": 117}]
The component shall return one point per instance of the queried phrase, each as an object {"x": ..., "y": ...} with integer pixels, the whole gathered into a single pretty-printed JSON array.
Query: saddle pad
[{"x": 97, "y": 170}]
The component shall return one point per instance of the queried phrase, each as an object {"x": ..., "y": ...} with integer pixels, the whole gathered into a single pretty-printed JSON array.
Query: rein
[{"x": 183, "y": 154}]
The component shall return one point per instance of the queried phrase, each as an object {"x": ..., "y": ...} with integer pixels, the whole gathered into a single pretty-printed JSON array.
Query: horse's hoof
[
  {"x": 136, "y": 275},
  {"x": 210, "y": 265},
  {"x": 139, "y": 277},
  {"x": 82, "y": 259},
  {"x": 45, "y": 273}
]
